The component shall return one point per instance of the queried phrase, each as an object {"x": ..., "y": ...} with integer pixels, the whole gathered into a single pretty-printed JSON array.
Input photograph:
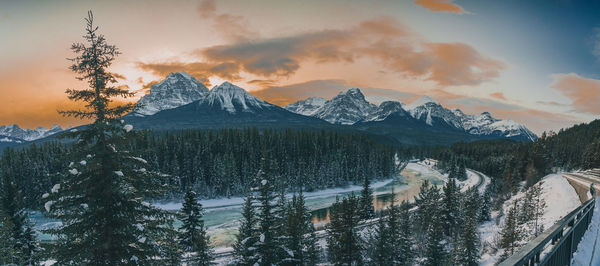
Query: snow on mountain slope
[
  {"x": 433, "y": 113},
  {"x": 175, "y": 90},
  {"x": 14, "y": 131},
  {"x": 232, "y": 99},
  {"x": 306, "y": 107},
  {"x": 561, "y": 198},
  {"x": 385, "y": 109},
  {"x": 346, "y": 108},
  {"x": 485, "y": 124}
]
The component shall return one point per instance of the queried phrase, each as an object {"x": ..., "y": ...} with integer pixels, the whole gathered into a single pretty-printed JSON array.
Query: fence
[{"x": 556, "y": 245}]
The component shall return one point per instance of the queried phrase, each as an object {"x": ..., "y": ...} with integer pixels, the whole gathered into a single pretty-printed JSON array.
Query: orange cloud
[
  {"x": 498, "y": 95},
  {"x": 584, "y": 92},
  {"x": 441, "y": 6},
  {"x": 232, "y": 27},
  {"x": 382, "y": 39}
]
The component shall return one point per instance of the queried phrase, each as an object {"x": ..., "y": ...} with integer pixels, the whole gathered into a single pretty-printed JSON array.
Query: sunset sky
[{"x": 536, "y": 62}]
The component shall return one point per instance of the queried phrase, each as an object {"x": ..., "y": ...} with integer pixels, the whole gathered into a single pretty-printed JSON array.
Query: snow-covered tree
[
  {"x": 244, "y": 249},
  {"x": 450, "y": 208},
  {"x": 510, "y": 235},
  {"x": 468, "y": 249},
  {"x": 101, "y": 200},
  {"x": 268, "y": 248},
  {"x": 18, "y": 239},
  {"x": 344, "y": 244},
  {"x": 193, "y": 238},
  {"x": 367, "y": 211}
]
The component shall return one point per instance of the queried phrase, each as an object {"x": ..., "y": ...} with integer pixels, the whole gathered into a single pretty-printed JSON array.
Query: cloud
[
  {"x": 383, "y": 39},
  {"x": 441, "y": 6},
  {"x": 498, "y": 95},
  {"x": 583, "y": 92},
  {"x": 201, "y": 71},
  {"x": 232, "y": 27}
]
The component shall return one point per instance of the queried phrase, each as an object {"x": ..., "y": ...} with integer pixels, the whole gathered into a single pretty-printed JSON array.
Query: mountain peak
[
  {"x": 422, "y": 101},
  {"x": 175, "y": 90},
  {"x": 232, "y": 98}
]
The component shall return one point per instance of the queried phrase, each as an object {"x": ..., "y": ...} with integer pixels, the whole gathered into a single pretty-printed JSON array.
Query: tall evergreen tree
[
  {"x": 405, "y": 249},
  {"x": 510, "y": 234},
  {"x": 390, "y": 241},
  {"x": 435, "y": 252},
  {"x": 450, "y": 208},
  {"x": 268, "y": 248},
  {"x": 193, "y": 237},
  {"x": 244, "y": 250},
  {"x": 367, "y": 211},
  {"x": 21, "y": 240},
  {"x": 100, "y": 201},
  {"x": 469, "y": 239},
  {"x": 344, "y": 245}
]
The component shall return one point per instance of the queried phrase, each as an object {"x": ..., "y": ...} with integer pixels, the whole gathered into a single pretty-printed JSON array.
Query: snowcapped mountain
[
  {"x": 346, "y": 108},
  {"x": 233, "y": 99},
  {"x": 486, "y": 125},
  {"x": 226, "y": 105},
  {"x": 306, "y": 107},
  {"x": 16, "y": 133},
  {"x": 433, "y": 113},
  {"x": 350, "y": 107},
  {"x": 175, "y": 90}
]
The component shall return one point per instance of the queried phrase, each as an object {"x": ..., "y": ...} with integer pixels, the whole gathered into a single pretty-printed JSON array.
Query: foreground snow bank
[
  {"x": 588, "y": 251},
  {"x": 561, "y": 198}
]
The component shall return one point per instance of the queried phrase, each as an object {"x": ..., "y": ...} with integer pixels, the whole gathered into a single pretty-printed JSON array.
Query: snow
[
  {"x": 83, "y": 162},
  {"x": 119, "y": 173},
  {"x": 128, "y": 128},
  {"x": 175, "y": 90},
  {"x": 55, "y": 188},
  {"x": 14, "y": 131},
  {"x": 588, "y": 250},
  {"x": 226, "y": 94},
  {"x": 73, "y": 171},
  {"x": 48, "y": 205},
  {"x": 45, "y": 195},
  {"x": 554, "y": 187},
  {"x": 262, "y": 237},
  {"x": 263, "y": 182}
]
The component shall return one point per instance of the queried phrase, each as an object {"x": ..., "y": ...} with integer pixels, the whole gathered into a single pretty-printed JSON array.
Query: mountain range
[{"x": 182, "y": 102}]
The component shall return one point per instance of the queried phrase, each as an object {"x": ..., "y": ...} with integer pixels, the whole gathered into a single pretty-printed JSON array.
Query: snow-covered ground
[
  {"x": 588, "y": 250},
  {"x": 560, "y": 198}
]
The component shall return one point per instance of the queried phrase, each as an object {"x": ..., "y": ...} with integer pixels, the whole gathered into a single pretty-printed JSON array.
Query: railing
[{"x": 556, "y": 245}]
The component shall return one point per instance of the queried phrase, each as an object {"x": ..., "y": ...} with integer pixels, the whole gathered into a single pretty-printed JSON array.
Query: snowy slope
[
  {"x": 560, "y": 198},
  {"x": 346, "y": 108},
  {"x": 14, "y": 131},
  {"x": 232, "y": 99},
  {"x": 175, "y": 90},
  {"x": 306, "y": 107}
]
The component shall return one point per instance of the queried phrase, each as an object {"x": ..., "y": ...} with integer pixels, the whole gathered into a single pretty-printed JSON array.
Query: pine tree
[
  {"x": 486, "y": 206},
  {"x": 390, "y": 241},
  {"x": 171, "y": 254},
  {"x": 193, "y": 237},
  {"x": 244, "y": 250},
  {"x": 405, "y": 240},
  {"x": 268, "y": 248},
  {"x": 469, "y": 239},
  {"x": 435, "y": 253},
  {"x": 344, "y": 245},
  {"x": 450, "y": 212},
  {"x": 461, "y": 172},
  {"x": 367, "y": 211},
  {"x": 539, "y": 207},
  {"x": 511, "y": 233},
  {"x": 21, "y": 236},
  {"x": 100, "y": 201}
]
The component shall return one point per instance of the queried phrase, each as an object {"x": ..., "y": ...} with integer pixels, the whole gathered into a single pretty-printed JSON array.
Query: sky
[{"x": 536, "y": 62}]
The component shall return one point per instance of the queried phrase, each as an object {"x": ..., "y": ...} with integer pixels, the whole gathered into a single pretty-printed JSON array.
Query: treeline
[
  {"x": 221, "y": 163},
  {"x": 509, "y": 162},
  {"x": 442, "y": 229}
]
